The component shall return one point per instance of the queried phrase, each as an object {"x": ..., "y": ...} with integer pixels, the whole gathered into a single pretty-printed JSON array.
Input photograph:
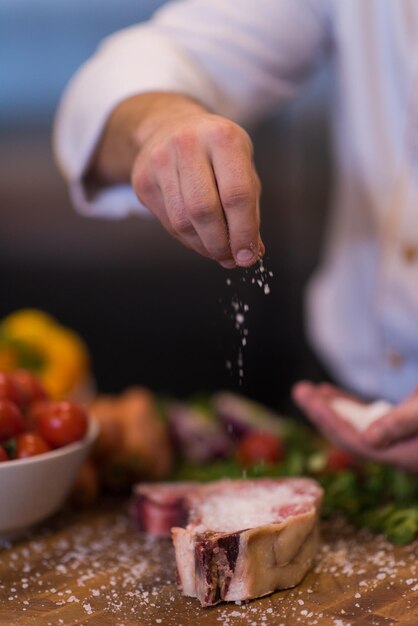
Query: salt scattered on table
[{"x": 133, "y": 563}]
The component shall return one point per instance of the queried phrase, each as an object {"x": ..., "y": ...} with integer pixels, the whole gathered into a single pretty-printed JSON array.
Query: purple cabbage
[
  {"x": 198, "y": 436},
  {"x": 241, "y": 416}
]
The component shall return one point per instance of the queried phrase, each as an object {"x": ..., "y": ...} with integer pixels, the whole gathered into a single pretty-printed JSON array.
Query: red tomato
[
  {"x": 11, "y": 420},
  {"x": 257, "y": 448},
  {"x": 9, "y": 390},
  {"x": 32, "y": 412},
  {"x": 30, "y": 386},
  {"x": 61, "y": 423},
  {"x": 30, "y": 444},
  {"x": 339, "y": 460},
  {"x": 3, "y": 455}
]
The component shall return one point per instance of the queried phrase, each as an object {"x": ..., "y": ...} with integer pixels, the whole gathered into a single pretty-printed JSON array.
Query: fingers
[
  {"x": 199, "y": 180},
  {"x": 402, "y": 454},
  {"x": 309, "y": 398},
  {"x": 316, "y": 402},
  {"x": 398, "y": 424},
  {"x": 201, "y": 201},
  {"x": 239, "y": 192},
  {"x": 157, "y": 185}
]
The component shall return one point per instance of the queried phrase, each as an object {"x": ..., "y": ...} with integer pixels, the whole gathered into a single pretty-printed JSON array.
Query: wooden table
[{"x": 93, "y": 568}]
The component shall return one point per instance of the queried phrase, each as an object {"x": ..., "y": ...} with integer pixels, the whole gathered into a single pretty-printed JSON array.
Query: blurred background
[{"x": 150, "y": 311}]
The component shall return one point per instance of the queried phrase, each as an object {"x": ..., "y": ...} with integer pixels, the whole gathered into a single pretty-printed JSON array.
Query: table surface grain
[{"x": 94, "y": 568}]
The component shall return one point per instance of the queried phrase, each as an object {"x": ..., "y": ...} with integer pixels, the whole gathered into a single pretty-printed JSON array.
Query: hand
[
  {"x": 400, "y": 439},
  {"x": 192, "y": 169},
  {"x": 195, "y": 172},
  {"x": 399, "y": 424}
]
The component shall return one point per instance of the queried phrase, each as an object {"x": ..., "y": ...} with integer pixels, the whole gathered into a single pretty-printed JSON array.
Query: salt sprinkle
[{"x": 239, "y": 309}]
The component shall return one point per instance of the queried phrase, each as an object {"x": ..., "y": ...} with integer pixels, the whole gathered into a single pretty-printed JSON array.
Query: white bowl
[{"x": 31, "y": 489}]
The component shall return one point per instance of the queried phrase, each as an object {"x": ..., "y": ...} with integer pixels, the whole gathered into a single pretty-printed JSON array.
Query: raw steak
[{"x": 243, "y": 538}]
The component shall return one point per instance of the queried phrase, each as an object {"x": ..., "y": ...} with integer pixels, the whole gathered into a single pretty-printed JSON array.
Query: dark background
[{"x": 150, "y": 311}]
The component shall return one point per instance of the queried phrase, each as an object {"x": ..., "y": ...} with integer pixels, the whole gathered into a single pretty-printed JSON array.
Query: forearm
[{"x": 130, "y": 124}]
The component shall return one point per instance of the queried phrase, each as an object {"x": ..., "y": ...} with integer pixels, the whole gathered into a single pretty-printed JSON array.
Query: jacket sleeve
[{"x": 240, "y": 58}]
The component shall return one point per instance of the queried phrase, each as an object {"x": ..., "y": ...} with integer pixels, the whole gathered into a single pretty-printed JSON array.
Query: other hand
[{"x": 392, "y": 439}]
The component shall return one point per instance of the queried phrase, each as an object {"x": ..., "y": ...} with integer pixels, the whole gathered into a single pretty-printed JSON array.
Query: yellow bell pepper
[{"x": 34, "y": 340}]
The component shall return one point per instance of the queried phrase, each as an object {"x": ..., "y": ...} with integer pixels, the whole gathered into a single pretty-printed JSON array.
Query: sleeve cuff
[{"x": 113, "y": 202}]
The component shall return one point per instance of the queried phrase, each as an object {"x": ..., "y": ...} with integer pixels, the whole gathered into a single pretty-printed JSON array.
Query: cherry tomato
[
  {"x": 255, "y": 448},
  {"x": 3, "y": 455},
  {"x": 339, "y": 460},
  {"x": 11, "y": 420},
  {"x": 9, "y": 390},
  {"x": 30, "y": 386},
  {"x": 30, "y": 444},
  {"x": 32, "y": 413},
  {"x": 61, "y": 423}
]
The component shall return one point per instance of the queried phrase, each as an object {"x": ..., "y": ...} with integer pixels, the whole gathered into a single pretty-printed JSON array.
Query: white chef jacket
[{"x": 242, "y": 58}]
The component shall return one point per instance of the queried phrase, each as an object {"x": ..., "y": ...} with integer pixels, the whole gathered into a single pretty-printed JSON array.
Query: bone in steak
[{"x": 235, "y": 539}]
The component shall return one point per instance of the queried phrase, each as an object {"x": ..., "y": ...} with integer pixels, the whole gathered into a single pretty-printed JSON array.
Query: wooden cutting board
[{"x": 94, "y": 568}]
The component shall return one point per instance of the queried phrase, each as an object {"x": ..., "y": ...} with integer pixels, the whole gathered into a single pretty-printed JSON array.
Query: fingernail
[
  {"x": 245, "y": 255},
  {"x": 228, "y": 265}
]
